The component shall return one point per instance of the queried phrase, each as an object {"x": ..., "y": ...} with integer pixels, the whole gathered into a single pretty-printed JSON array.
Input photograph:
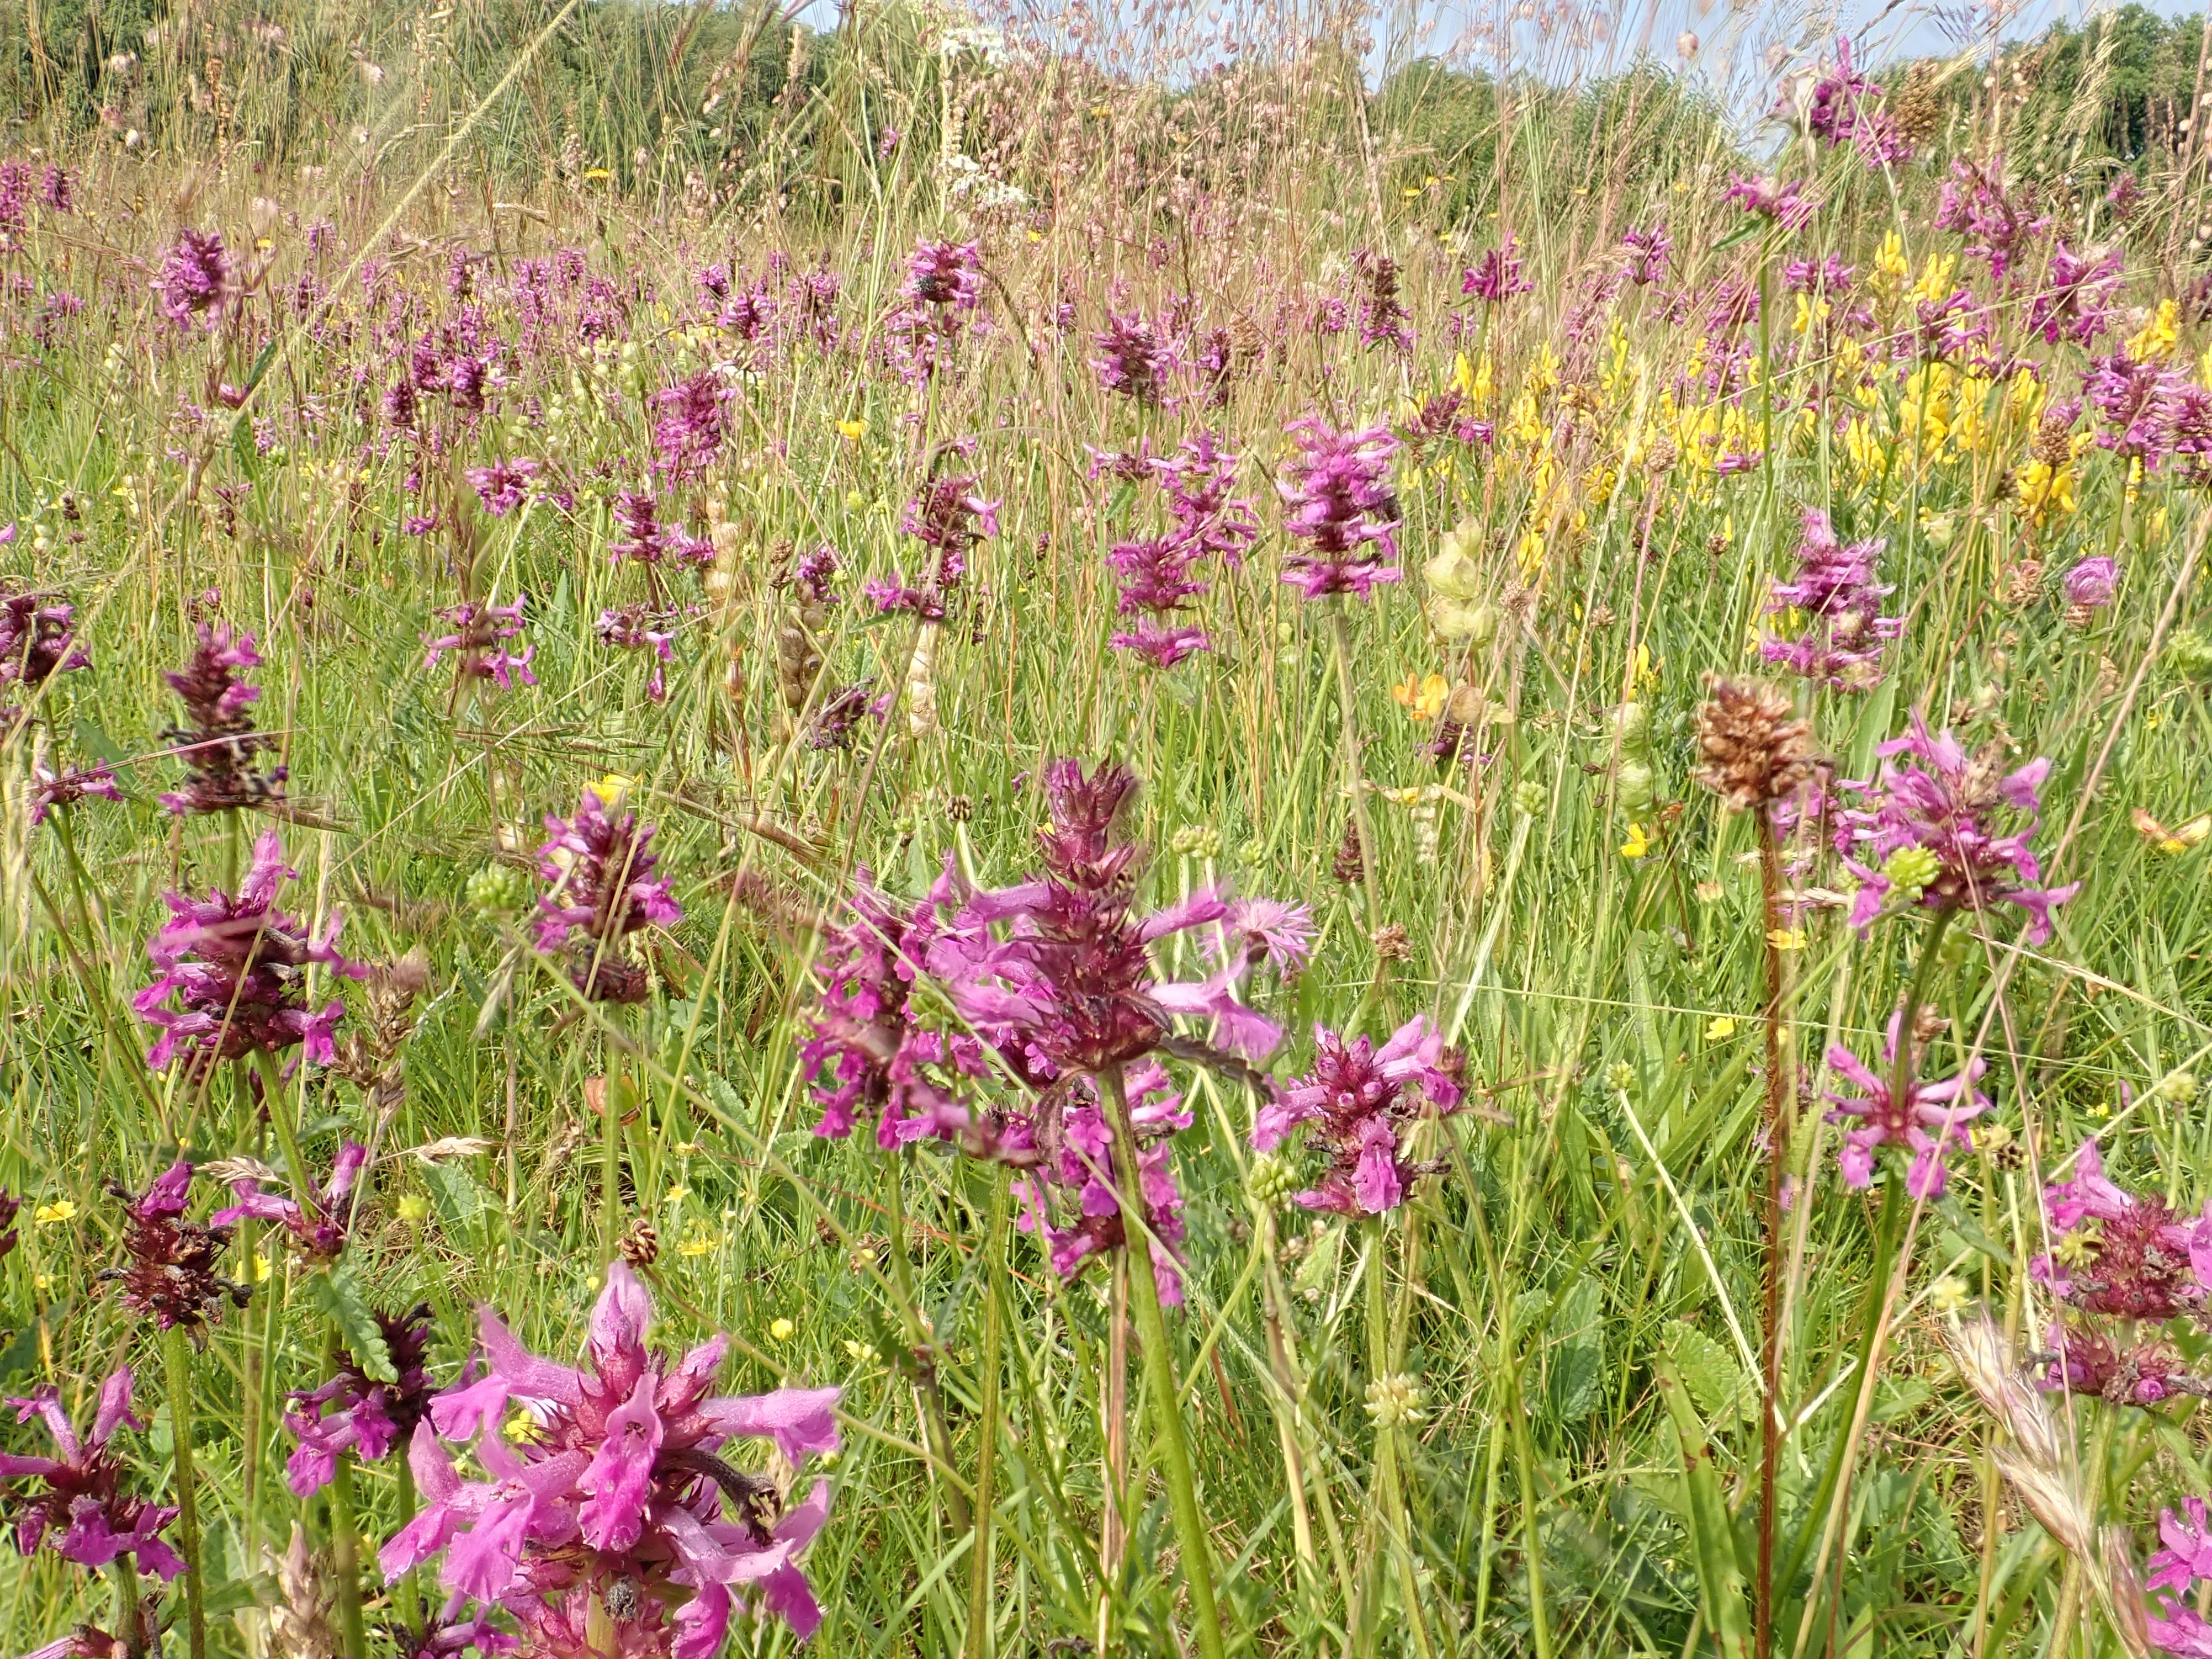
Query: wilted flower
[
  {"x": 51, "y": 789},
  {"x": 1755, "y": 752},
  {"x": 618, "y": 1512},
  {"x": 1950, "y": 806},
  {"x": 1382, "y": 317},
  {"x": 317, "y": 1222},
  {"x": 84, "y": 1513},
  {"x": 171, "y": 1277},
  {"x": 1929, "y": 1119},
  {"x": 237, "y": 966},
  {"x": 1357, "y": 1096},
  {"x": 38, "y": 638},
  {"x": 217, "y": 743},
  {"x": 1340, "y": 502},
  {"x": 629, "y": 628},
  {"x": 600, "y": 867},
  {"x": 354, "y": 1412}
]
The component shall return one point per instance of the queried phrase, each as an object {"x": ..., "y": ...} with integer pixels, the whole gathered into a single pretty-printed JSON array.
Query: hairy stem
[{"x": 980, "y": 1641}]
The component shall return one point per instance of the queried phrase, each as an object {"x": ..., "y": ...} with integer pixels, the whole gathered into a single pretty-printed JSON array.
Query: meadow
[{"x": 915, "y": 843}]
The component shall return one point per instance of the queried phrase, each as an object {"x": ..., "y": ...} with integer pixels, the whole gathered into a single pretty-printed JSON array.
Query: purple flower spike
[
  {"x": 38, "y": 638},
  {"x": 1496, "y": 277},
  {"x": 318, "y": 1224},
  {"x": 945, "y": 274},
  {"x": 1946, "y": 813},
  {"x": 599, "y": 866},
  {"x": 66, "y": 787},
  {"x": 617, "y": 1505},
  {"x": 84, "y": 1514},
  {"x": 2091, "y": 584},
  {"x": 1846, "y": 109},
  {"x": 478, "y": 641},
  {"x": 1082, "y": 1164},
  {"x": 1834, "y": 586},
  {"x": 1356, "y": 1099},
  {"x": 194, "y": 277},
  {"x": 217, "y": 742},
  {"x": 1787, "y": 205},
  {"x": 1134, "y": 358},
  {"x": 1338, "y": 501},
  {"x": 1648, "y": 250},
  {"x": 1930, "y": 1121},
  {"x": 353, "y": 1412},
  {"x": 689, "y": 434},
  {"x": 869, "y": 1048},
  {"x": 502, "y": 485},
  {"x": 236, "y": 966},
  {"x": 170, "y": 1277}
]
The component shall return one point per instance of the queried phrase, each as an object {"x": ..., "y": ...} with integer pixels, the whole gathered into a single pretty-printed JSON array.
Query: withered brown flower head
[
  {"x": 1755, "y": 754},
  {"x": 170, "y": 1276}
]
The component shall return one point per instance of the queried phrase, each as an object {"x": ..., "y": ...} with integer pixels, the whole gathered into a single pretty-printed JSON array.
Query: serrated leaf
[
  {"x": 454, "y": 1191},
  {"x": 1710, "y": 1371},
  {"x": 339, "y": 1294}
]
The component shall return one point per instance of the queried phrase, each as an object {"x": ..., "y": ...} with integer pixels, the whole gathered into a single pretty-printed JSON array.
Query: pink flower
[
  {"x": 1356, "y": 1098},
  {"x": 1929, "y": 1119},
  {"x": 1340, "y": 502},
  {"x": 601, "y": 888},
  {"x": 85, "y": 1513},
  {"x": 621, "y": 1483},
  {"x": 318, "y": 1226}
]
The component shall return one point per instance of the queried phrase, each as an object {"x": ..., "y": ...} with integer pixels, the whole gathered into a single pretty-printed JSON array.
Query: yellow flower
[
  {"x": 854, "y": 430},
  {"x": 53, "y": 1215},
  {"x": 2043, "y": 489},
  {"x": 782, "y": 1330},
  {"x": 1719, "y": 1029},
  {"x": 414, "y": 1209},
  {"x": 597, "y": 172},
  {"x": 262, "y": 1268},
  {"x": 687, "y": 1149},
  {"x": 520, "y": 1428},
  {"x": 1786, "y": 938},
  {"x": 1422, "y": 699},
  {"x": 1890, "y": 261},
  {"x": 2157, "y": 335},
  {"x": 612, "y": 790},
  {"x": 1635, "y": 845},
  {"x": 676, "y": 1195},
  {"x": 859, "y": 1351}
]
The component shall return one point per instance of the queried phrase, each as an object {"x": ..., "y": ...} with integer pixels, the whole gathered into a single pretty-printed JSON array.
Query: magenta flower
[
  {"x": 354, "y": 1412},
  {"x": 1156, "y": 579},
  {"x": 1074, "y": 1144},
  {"x": 2139, "y": 404},
  {"x": 318, "y": 1224},
  {"x": 645, "y": 539},
  {"x": 2092, "y": 583},
  {"x": 84, "y": 1513},
  {"x": 1341, "y": 504},
  {"x": 599, "y": 867},
  {"x": 217, "y": 741},
  {"x": 194, "y": 277},
  {"x": 1974, "y": 204},
  {"x": 502, "y": 485},
  {"x": 2186, "y": 1559},
  {"x": 1786, "y": 205},
  {"x": 1356, "y": 1097},
  {"x": 170, "y": 1275},
  {"x": 689, "y": 434},
  {"x": 1383, "y": 320},
  {"x": 478, "y": 641},
  {"x": 868, "y": 1046},
  {"x": 1200, "y": 481},
  {"x": 38, "y": 638},
  {"x": 1134, "y": 358},
  {"x": 1846, "y": 109},
  {"x": 949, "y": 519},
  {"x": 2076, "y": 301},
  {"x": 51, "y": 789},
  {"x": 1955, "y": 807},
  {"x": 945, "y": 274},
  {"x": 629, "y": 629},
  {"x": 1834, "y": 586},
  {"x": 1070, "y": 987},
  {"x": 1929, "y": 1120},
  {"x": 237, "y": 967},
  {"x": 619, "y": 1506},
  {"x": 1497, "y": 276},
  {"x": 1648, "y": 250}
]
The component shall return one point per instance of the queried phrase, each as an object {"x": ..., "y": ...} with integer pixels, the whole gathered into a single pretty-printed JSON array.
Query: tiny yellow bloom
[
  {"x": 263, "y": 1267},
  {"x": 612, "y": 790},
  {"x": 1786, "y": 938},
  {"x": 53, "y": 1215},
  {"x": 1719, "y": 1029},
  {"x": 677, "y": 1194},
  {"x": 520, "y": 1428},
  {"x": 696, "y": 1245},
  {"x": 782, "y": 1330},
  {"x": 414, "y": 1209},
  {"x": 597, "y": 172},
  {"x": 1635, "y": 845},
  {"x": 854, "y": 430},
  {"x": 1423, "y": 699},
  {"x": 687, "y": 1149}
]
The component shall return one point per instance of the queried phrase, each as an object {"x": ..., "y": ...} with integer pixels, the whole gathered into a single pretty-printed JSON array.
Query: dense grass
[{"x": 1576, "y": 1288}]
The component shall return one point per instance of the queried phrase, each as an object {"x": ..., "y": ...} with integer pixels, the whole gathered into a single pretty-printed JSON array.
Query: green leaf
[
  {"x": 458, "y": 1199},
  {"x": 1709, "y": 1369},
  {"x": 20, "y": 1353},
  {"x": 339, "y": 1294},
  {"x": 1722, "y": 1583},
  {"x": 241, "y": 446}
]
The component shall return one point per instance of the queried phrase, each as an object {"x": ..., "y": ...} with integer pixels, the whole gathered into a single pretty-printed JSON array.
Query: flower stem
[
  {"x": 125, "y": 1568},
  {"x": 1160, "y": 1374},
  {"x": 980, "y": 1635},
  {"x": 1340, "y": 633},
  {"x": 1778, "y": 1117},
  {"x": 178, "y": 1359},
  {"x": 922, "y": 1366},
  {"x": 345, "y": 1553}
]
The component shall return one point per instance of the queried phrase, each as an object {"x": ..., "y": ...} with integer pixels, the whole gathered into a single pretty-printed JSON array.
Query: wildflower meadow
[{"x": 1224, "y": 830}]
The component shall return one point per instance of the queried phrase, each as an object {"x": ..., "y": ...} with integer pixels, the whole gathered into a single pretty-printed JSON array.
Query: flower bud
[
  {"x": 2177, "y": 1087},
  {"x": 1270, "y": 1181},
  {"x": 1531, "y": 797},
  {"x": 1632, "y": 787},
  {"x": 1909, "y": 870},
  {"x": 1395, "y": 1401},
  {"x": 1453, "y": 573},
  {"x": 1631, "y": 724},
  {"x": 498, "y": 891}
]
